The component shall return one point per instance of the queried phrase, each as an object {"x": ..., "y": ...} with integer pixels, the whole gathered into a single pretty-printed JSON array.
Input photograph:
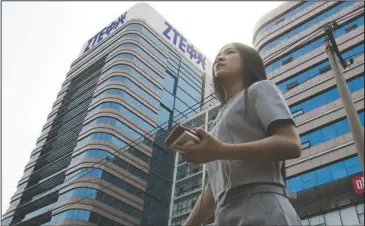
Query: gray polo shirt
[{"x": 266, "y": 104}]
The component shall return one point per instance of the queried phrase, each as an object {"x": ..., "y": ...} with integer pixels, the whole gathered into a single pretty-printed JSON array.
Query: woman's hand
[{"x": 207, "y": 150}]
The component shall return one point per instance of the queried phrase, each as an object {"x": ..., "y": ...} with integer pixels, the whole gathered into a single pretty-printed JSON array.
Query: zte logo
[
  {"x": 105, "y": 32},
  {"x": 179, "y": 41},
  {"x": 358, "y": 183}
]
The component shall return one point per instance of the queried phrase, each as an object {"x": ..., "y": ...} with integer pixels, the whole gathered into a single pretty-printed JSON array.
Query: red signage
[{"x": 358, "y": 183}]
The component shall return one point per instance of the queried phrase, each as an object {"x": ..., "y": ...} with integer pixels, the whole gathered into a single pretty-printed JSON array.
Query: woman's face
[{"x": 228, "y": 63}]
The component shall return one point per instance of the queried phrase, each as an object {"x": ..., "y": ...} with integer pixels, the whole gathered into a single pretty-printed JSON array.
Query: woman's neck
[{"x": 232, "y": 89}]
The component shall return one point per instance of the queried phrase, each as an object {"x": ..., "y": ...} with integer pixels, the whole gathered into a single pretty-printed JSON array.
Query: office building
[
  {"x": 101, "y": 159},
  {"x": 328, "y": 177}
]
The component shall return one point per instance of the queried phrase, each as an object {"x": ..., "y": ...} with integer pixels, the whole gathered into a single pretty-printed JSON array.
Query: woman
[{"x": 245, "y": 151}]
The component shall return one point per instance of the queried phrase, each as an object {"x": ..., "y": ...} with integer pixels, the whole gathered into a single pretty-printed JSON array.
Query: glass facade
[
  {"x": 102, "y": 197},
  {"x": 149, "y": 84},
  {"x": 349, "y": 25},
  {"x": 316, "y": 70},
  {"x": 327, "y": 132},
  {"x": 285, "y": 17},
  {"x": 325, "y": 97},
  {"x": 309, "y": 47},
  {"x": 305, "y": 26},
  {"x": 324, "y": 175},
  {"x": 83, "y": 215},
  {"x": 350, "y": 215}
]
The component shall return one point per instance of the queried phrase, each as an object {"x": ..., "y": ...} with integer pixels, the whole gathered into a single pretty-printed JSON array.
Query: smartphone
[{"x": 182, "y": 136}]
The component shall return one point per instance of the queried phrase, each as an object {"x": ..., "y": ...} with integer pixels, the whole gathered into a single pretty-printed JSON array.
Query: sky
[{"x": 40, "y": 40}]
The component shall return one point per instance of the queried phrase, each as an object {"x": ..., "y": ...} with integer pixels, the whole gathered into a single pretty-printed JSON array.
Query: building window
[
  {"x": 297, "y": 113},
  {"x": 290, "y": 59},
  {"x": 325, "y": 69},
  {"x": 279, "y": 20},
  {"x": 292, "y": 85},
  {"x": 306, "y": 145},
  {"x": 353, "y": 27}
]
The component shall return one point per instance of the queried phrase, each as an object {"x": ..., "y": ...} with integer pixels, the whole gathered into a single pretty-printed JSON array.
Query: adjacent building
[
  {"x": 101, "y": 158},
  {"x": 328, "y": 177}
]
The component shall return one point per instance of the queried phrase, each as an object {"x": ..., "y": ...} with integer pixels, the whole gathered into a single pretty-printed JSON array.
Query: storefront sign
[{"x": 358, "y": 183}]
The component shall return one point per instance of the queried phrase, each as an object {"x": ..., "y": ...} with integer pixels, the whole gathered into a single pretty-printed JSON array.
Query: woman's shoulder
[{"x": 263, "y": 86}]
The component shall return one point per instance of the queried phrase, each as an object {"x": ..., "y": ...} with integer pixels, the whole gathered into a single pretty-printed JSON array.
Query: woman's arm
[
  {"x": 283, "y": 144},
  {"x": 202, "y": 210}
]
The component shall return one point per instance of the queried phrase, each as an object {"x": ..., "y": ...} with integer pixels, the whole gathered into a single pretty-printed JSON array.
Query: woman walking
[{"x": 254, "y": 134}]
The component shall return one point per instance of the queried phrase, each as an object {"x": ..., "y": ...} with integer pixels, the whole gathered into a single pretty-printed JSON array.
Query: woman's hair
[{"x": 253, "y": 71}]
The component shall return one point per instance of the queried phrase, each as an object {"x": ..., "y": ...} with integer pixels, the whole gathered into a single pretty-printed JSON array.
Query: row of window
[
  {"x": 290, "y": 13},
  {"x": 187, "y": 170},
  {"x": 157, "y": 56},
  {"x": 39, "y": 211},
  {"x": 298, "y": 29},
  {"x": 102, "y": 197},
  {"x": 116, "y": 123},
  {"x": 352, "y": 215},
  {"x": 125, "y": 112},
  {"x": 183, "y": 206},
  {"x": 188, "y": 185},
  {"x": 141, "y": 55},
  {"x": 328, "y": 132},
  {"x": 116, "y": 141},
  {"x": 130, "y": 100},
  {"x": 160, "y": 44},
  {"x": 185, "y": 99},
  {"x": 191, "y": 74},
  {"x": 325, "y": 174},
  {"x": 163, "y": 118},
  {"x": 133, "y": 86},
  {"x": 179, "y": 117},
  {"x": 83, "y": 215},
  {"x": 325, "y": 97},
  {"x": 98, "y": 153},
  {"x": 132, "y": 58},
  {"x": 194, "y": 92},
  {"x": 98, "y": 173},
  {"x": 167, "y": 99},
  {"x": 318, "y": 69},
  {"x": 313, "y": 45},
  {"x": 136, "y": 74}
]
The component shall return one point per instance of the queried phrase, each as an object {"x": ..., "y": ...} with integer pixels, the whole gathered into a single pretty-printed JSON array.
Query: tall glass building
[
  {"x": 328, "y": 177},
  {"x": 101, "y": 158}
]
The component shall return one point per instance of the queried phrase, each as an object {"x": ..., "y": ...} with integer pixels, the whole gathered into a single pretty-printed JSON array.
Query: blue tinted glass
[
  {"x": 126, "y": 113},
  {"x": 329, "y": 132},
  {"x": 167, "y": 99},
  {"x": 308, "y": 47},
  {"x": 296, "y": 184},
  {"x": 351, "y": 162},
  {"x": 308, "y": 176},
  {"x": 186, "y": 98},
  {"x": 169, "y": 83},
  {"x": 288, "y": 14},
  {"x": 163, "y": 117},
  {"x": 306, "y": 25},
  {"x": 138, "y": 75},
  {"x": 323, "y": 175},
  {"x": 136, "y": 88},
  {"x": 337, "y": 170},
  {"x": 191, "y": 89},
  {"x": 114, "y": 122},
  {"x": 309, "y": 184},
  {"x": 327, "y": 97}
]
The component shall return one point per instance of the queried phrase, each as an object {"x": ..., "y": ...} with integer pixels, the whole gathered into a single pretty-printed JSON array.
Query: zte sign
[
  {"x": 143, "y": 13},
  {"x": 358, "y": 183}
]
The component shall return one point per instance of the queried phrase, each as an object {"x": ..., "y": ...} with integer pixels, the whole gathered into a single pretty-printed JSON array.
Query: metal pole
[{"x": 351, "y": 114}]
